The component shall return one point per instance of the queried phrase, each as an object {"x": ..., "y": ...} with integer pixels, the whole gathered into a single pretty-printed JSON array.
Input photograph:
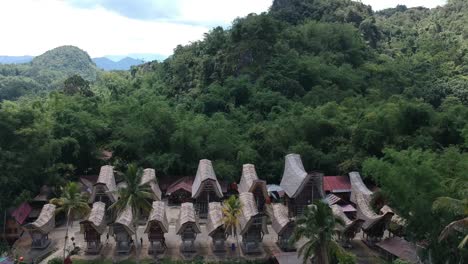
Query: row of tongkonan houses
[{"x": 348, "y": 197}]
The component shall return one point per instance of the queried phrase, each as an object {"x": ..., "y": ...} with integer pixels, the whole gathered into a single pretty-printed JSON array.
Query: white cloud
[
  {"x": 31, "y": 27},
  {"x": 382, "y": 4},
  {"x": 35, "y": 26}
]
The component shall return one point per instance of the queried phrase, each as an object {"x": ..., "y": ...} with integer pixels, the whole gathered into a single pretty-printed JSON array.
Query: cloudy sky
[{"x": 120, "y": 27}]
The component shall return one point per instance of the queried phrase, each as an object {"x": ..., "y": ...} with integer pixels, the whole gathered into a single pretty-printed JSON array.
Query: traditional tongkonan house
[
  {"x": 93, "y": 227},
  {"x": 105, "y": 187},
  {"x": 301, "y": 188},
  {"x": 351, "y": 227},
  {"x": 397, "y": 223},
  {"x": 215, "y": 226},
  {"x": 149, "y": 179},
  {"x": 39, "y": 229},
  {"x": 156, "y": 227},
  {"x": 252, "y": 224},
  {"x": 205, "y": 188},
  {"x": 282, "y": 224},
  {"x": 187, "y": 227},
  {"x": 374, "y": 225},
  {"x": 249, "y": 182},
  {"x": 123, "y": 229}
]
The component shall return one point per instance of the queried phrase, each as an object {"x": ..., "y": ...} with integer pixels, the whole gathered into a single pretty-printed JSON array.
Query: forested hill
[
  {"x": 45, "y": 72},
  {"x": 384, "y": 93}
]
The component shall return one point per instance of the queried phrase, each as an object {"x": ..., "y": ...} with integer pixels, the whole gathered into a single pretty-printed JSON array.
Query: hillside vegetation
[
  {"x": 45, "y": 72},
  {"x": 384, "y": 93}
]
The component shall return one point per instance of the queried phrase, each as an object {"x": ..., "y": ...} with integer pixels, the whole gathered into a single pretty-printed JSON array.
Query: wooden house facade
[
  {"x": 156, "y": 227},
  {"x": 301, "y": 188},
  {"x": 93, "y": 227},
  {"x": 374, "y": 224},
  {"x": 205, "y": 188},
  {"x": 187, "y": 227},
  {"x": 283, "y": 225},
  {"x": 250, "y": 182},
  {"x": 252, "y": 224},
  {"x": 122, "y": 230},
  {"x": 40, "y": 229},
  {"x": 105, "y": 187},
  {"x": 215, "y": 227}
]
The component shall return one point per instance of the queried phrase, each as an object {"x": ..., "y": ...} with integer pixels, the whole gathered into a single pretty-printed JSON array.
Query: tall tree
[
  {"x": 317, "y": 225},
  {"x": 72, "y": 202},
  {"x": 133, "y": 195},
  {"x": 232, "y": 210}
]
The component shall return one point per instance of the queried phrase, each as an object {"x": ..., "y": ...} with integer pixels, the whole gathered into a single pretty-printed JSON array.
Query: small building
[
  {"x": 123, "y": 229},
  {"x": 398, "y": 248},
  {"x": 215, "y": 227},
  {"x": 283, "y": 225},
  {"x": 187, "y": 227},
  {"x": 180, "y": 191},
  {"x": 18, "y": 217},
  {"x": 252, "y": 224},
  {"x": 374, "y": 224},
  {"x": 149, "y": 178},
  {"x": 205, "y": 188},
  {"x": 38, "y": 202},
  {"x": 93, "y": 227},
  {"x": 156, "y": 227},
  {"x": 40, "y": 229},
  {"x": 105, "y": 187},
  {"x": 348, "y": 231},
  {"x": 397, "y": 223},
  {"x": 301, "y": 187},
  {"x": 339, "y": 186},
  {"x": 249, "y": 182}
]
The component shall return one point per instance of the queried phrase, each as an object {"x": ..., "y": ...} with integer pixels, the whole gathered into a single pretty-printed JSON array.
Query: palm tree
[
  {"x": 455, "y": 207},
  {"x": 232, "y": 209},
  {"x": 318, "y": 226},
  {"x": 74, "y": 203},
  {"x": 133, "y": 195}
]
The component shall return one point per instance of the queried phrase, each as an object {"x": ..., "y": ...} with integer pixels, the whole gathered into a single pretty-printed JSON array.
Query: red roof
[
  {"x": 400, "y": 248},
  {"x": 21, "y": 213},
  {"x": 336, "y": 184},
  {"x": 184, "y": 183}
]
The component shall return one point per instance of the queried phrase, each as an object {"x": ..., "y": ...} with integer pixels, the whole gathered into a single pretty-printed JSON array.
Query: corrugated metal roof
[
  {"x": 336, "y": 184},
  {"x": 21, "y": 213}
]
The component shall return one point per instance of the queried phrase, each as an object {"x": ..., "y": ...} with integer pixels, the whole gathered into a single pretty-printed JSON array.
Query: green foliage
[
  {"x": 46, "y": 72},
  {"x": 318, "y": 225},
  {"x": 347, "y": 88}
]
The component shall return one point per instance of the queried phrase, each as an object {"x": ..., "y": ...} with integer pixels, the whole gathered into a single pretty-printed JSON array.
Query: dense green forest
[{"x": 385, "y": 93}]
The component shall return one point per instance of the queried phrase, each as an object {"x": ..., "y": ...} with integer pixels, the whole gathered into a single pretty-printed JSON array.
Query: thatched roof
[
  {"x": 294, "y": 176},
  {"x": 187, "y": 217},
  {"x": 351, "y": 227},
  {"x": 106, "y": 178},
  {"x": 361, "y": 196},
  {"x": 149, "y": 177},
  {"x": 158, "y": 217},
  {"x": 96, "y": 218},
  {"x": 396, "y": 219},
  {"x": 125, "y": 218},
  {"x": 215, "y": 217},
  {"x": 279, "y": 217},
  {"x": 205, "y": 173},
  {"x": 248, "y": 212},
  {"x": 249, "y": 180},
  {"x": 46, "y": 220},
  {"x": 338, "y": 212}
]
